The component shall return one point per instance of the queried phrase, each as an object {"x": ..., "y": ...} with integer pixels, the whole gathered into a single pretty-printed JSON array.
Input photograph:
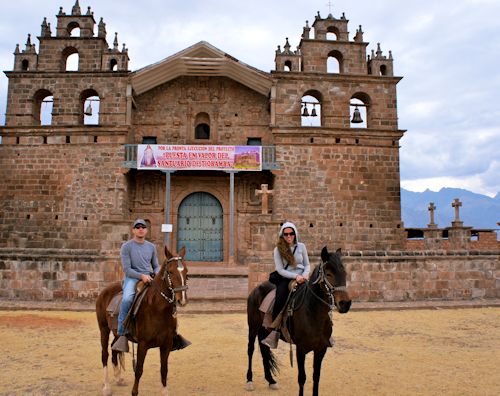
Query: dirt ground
[{"x": 412, "y": 352}]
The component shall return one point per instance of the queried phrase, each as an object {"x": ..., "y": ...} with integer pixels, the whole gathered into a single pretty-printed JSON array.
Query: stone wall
[
  {"x": 411, "y": 276},
  {"x": 45, "y": 274},
  {"x": 56, "y": 195}
]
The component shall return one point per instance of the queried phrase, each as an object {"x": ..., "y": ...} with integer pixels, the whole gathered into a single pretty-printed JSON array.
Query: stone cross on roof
[
  {"x": 456, "y": 204},
  {"x": 265, "y": 197},
  {"x": 431, "y": 209}
]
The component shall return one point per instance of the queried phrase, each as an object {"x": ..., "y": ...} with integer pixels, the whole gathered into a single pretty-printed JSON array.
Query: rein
[
  {"x": 166, "y": 277},
  {"x": 330, "y": 289}
]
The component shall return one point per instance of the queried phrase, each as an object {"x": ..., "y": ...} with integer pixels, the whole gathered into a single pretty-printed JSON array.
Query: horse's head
[
  {"x": 176, "y": 275},
  {"x": 335, "y": 275}
]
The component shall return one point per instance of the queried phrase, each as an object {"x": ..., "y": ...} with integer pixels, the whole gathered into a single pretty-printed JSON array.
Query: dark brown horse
[
  {"x": 310, "y": 325},
  {"x": 156, "y": 321}
]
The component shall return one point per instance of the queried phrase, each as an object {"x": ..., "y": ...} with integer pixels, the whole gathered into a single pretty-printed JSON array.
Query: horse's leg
[
  {"x": 252, "y": 334},
  {"x": 164, "y": 352},
  {"x": 301, "y": 358},
  {"x": 142, "y": 350},
  {"x": 268, "y": 359},
  {"x": 318, "y": 359},
  {"x": 106, "y": 389}
]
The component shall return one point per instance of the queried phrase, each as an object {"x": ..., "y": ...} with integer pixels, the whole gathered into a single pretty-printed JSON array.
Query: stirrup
[
  {"x": 121, "y": 344},
  {"x": 272, "y": 339},
  {"x": 180, "y": 342}
]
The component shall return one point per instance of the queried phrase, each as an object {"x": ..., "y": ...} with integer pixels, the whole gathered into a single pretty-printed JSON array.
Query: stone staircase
[{"x": 218, "y": 283}]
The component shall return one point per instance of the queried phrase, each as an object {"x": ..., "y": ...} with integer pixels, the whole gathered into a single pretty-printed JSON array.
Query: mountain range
[{"x": 477, "y": 210}]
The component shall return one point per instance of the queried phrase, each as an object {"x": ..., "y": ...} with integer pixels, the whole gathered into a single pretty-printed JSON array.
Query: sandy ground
[{"x": 419, "y": 352}]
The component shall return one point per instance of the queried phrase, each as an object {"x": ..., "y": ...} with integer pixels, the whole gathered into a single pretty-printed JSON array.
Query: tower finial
[
  {"x": 115, "y": 42},
  {"x": 76, "y": 9}
]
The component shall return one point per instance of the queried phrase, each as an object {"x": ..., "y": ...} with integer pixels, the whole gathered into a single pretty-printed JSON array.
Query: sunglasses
[
  {"x": 289, "y": 234},
  {"x": 140, "y": 226}
]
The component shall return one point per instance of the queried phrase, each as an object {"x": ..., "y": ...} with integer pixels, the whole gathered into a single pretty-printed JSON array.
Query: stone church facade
[{"x": 326, "y": 118}]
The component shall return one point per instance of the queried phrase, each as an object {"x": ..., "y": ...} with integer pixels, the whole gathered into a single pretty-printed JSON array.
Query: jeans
[{"x": 128, "y": 297}]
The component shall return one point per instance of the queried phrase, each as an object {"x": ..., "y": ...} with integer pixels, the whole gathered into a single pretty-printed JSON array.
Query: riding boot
[
  {"x": 180, "y": 342},
  {"x": 272, "y": 339},
  {"x": 121, "y": 344}
]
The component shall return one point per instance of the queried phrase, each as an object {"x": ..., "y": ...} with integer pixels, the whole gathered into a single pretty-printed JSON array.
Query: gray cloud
[{"x": 446, "y": 51}]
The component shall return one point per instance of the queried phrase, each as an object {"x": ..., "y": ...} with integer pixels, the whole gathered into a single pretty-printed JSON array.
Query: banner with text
[{"x": 193, "y": 157}]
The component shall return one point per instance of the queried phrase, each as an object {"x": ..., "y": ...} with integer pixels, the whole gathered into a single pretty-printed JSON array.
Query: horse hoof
[
  {"x": 121, "y": 382},
  {"x": 250, "y": 386},
  {"x": 106, "y": 390},
  {"x": 274, "y": 386}
]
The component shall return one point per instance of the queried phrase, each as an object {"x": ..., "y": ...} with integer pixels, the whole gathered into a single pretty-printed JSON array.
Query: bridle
[
  {"x": 322, "y": 280},
  {"x": 167, "y": 279}
]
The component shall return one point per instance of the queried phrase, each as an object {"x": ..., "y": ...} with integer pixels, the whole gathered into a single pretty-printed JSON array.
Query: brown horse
[
  {"x": 310, "y": 325},
  {"x": 156, "y": 321}
]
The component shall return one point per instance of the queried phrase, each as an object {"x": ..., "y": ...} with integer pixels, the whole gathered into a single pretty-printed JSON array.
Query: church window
[
  {"x": 332, "y": 33},
  {"x": 288, "y": 66},
  {"x": 359, "y": 110},
  {"x": 70, "y": 59},
  {"x": 43, "y": 104},
  {"x": 90, "y": 107},
  {"x": 149, "y": 140},
  {"x": 310, "y": 109},
  {"x": 202, "y": 126},
  {"x": 25, "y": 65},
  {"x": 113, "y": 65},
  {"x": 74, "y": 29},
  {"x": 383, "y": 70},
  {"x": 254, "y": 141},
  {"x": 335, "y": 62}
]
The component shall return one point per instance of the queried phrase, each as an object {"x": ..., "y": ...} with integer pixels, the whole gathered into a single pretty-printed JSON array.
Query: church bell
[
  {"x": 313, "y": 112},
  {"x": 356, "y": 117},
  {"x": 88, "y": 110},
  {"x": 305, "y": 113}
]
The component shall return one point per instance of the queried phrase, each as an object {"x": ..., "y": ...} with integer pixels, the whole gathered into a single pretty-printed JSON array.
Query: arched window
[
  {"x": 74, "y": 29},
  {"x": 90, "y": 107},
  {"x": 359, "y": 110},
  {"x": 335, "y": 62},
  {"x": 288, "y": 66},
  {"x": 70, "y": 59},
  {"x": 332, "y": 33},
  {"x": 43, "y": 103},
  {"x": 25, "y": 65},
  {"x": 310, "y": 109},
  {"x": 113, "y": 65},
  {"x": 202, "y": 126},
  {"x": 383, "y": 70}
]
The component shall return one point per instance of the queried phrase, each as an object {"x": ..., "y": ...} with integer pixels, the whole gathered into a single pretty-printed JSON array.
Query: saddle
[
  {"x": 281, "y": 322},
  {"x": 113, "y": 309}
]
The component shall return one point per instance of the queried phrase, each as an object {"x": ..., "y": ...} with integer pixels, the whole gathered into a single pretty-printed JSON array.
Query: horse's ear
[
  {"x": 168, "y": 255},
  {"x": 182, "y": 252},
  {"x": 339, "y": 251},
  {"x": 324, "y": 254}
]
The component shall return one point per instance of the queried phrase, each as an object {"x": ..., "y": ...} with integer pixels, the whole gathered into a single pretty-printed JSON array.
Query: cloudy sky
[{"x": 448, "y": 52}]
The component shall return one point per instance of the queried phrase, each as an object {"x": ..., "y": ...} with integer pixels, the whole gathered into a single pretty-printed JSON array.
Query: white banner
[{"x": 203, "y": 157}]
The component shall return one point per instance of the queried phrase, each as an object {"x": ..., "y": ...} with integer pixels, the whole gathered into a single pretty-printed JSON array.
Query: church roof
[{"x": 201, "y": 59}]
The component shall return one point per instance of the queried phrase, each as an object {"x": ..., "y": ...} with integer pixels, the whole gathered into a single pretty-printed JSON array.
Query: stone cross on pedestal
[
  {"x": 456, "y": 204},
  {"x": 265, "y": 197},
  {"x": 431, "y": 209}
]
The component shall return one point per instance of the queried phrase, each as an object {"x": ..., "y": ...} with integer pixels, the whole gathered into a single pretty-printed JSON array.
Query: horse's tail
[{"x": 269, "y": 359}]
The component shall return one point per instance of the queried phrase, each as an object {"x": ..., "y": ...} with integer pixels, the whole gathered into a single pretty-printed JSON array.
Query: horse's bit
[
  {"x": 330, "y": 289},
  {"x": 166, "y": 276}
]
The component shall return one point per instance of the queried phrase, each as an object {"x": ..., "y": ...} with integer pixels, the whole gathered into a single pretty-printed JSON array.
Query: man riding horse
[{"x": 140, "y": 263}]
